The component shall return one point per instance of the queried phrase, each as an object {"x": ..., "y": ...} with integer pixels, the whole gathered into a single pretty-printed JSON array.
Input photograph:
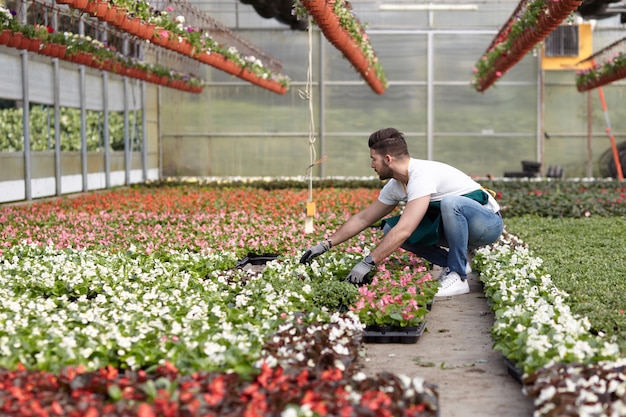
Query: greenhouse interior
[{"x": 250, "y": 88}]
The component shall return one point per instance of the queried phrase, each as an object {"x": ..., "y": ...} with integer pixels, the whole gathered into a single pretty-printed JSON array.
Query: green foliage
[
  {"x": 560, "y": 198},
  {"x": 608, "y": 67},
  {"x": 42, "y": 131},
  {"x": 584, "y": 258}
]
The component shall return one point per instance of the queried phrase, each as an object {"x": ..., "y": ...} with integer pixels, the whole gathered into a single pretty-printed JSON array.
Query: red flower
[
  {"x": 167, "y": 370},
  {"x": 333, "y": 374},
  {"x": 303, "y": 378},
  {"x": 315, "y": 401},
  {"x": 109, "y": 373},
  {"x": 145, "y": 410},
  {"x": 216, "y": 393},
  {"x": 56, "y": 408},
  {"x": 93, "y": 412}
]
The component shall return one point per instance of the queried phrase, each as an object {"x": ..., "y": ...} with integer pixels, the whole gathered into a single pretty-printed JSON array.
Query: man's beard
[{"x": 385, "y": 174}]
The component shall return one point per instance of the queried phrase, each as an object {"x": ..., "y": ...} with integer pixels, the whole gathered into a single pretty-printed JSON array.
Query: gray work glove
[
  {"x": 361, "y": 270},
  {"x": 313, "y": 252}
]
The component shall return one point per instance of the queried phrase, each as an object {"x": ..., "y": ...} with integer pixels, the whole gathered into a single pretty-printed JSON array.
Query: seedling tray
[
  {"x": 255, "y": 259},
  {"x": 393, "y": 334}
]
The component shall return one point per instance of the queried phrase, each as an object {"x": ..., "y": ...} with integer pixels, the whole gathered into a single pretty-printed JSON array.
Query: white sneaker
[
  {"x": 452, "y": 284},
  {"x": 445, "y": 271}
]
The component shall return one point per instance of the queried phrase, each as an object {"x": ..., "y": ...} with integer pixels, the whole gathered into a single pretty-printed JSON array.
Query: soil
[{"x": 455, "y": 354}]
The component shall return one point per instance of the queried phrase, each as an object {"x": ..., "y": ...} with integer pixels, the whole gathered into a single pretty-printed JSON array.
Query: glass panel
[
  {"x": 456, "y": 55},
  {"x": 350, "y": 155},
  {"x": 486, "y": 155},
  {"x": 372, "y": 17},
  {"x": 292, "y": 49},
  {"x": 565, "y": 112},
  {"x": 235, "y": 109},
  {"x": 236, "y": 156},
  {"x": 488, "y": 15},
  {"x": 135, "y": 129},
  {"x": 41, "y": 127},
  {"x": 565, "y": 109},
  {"x": 347, "y": 156},
  {"x": 615, "y": 97},
  {"x": 505, "y": 109},
  {"x": 572, "y": 154},
  {"x": 359, "y": 109},
  {"x": 402, "y": 56},
  {"x": 116, "y": 131},
  {"x": 337, "y": 67},
  {"x": 11, "y": 127}
]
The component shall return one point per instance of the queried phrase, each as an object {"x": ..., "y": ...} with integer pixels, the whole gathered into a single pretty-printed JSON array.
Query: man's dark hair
[{"x": 388, "y": 141}]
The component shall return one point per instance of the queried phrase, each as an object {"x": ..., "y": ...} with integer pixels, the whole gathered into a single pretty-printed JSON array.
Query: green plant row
[
  {"x": 42, "y": 132},
  {"x": 534, "y": 325},
  {"x": 584, "y": 258}
]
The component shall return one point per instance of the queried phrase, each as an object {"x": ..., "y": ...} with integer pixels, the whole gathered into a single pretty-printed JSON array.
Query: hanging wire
[{"x": 307, "y": 95}]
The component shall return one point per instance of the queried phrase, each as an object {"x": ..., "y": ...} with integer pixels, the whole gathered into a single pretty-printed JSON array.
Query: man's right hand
[{"x": 313, "y": 252}]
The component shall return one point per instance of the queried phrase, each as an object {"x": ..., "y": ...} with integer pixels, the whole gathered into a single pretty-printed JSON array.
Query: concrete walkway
[{"x": 455, "y": 354}]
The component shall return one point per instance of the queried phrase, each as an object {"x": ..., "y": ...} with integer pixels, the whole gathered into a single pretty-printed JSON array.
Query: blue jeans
[{"x": 467, "y": 225}]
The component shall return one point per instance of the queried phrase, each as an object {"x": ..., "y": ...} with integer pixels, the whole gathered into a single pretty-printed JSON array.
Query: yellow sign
[
  {"x": 585, "y": 50},
  {"x": 310, "y": 208}
]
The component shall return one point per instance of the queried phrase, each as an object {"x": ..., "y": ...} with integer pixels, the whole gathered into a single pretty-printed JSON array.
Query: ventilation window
[{"x": 563, "y": 41}]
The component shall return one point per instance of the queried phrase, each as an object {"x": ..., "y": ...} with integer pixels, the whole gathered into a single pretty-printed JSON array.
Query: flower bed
[
  {"x": 147, "y": 249},
  {"x": 566, "y": 368},
  {"x": 132, "y": 302}
]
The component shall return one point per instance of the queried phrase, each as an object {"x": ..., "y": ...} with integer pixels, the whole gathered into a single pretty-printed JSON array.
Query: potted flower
[
  {"x": 398, "y": 300},
  {"x": 612, "y": 69},
  {"x": 7, "y": 20},
  {"x": 11, "y": 27},
  {"x": 103, "y": 54}
]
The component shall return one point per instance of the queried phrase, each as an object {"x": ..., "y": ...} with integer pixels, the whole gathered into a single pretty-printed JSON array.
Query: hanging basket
[
  {"x": 549, "y": 17},
  {"x": 323, "y": 13},
  {"x": 617, "y": 74}
]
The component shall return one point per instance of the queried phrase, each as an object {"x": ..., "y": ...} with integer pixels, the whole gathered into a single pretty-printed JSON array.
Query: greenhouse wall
[
  {"x": 47, "y": 88},
  {"x": 236, "y": 129}
]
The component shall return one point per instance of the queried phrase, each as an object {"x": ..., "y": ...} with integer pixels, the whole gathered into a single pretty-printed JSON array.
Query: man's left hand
[{"x": 361, "y": 270}]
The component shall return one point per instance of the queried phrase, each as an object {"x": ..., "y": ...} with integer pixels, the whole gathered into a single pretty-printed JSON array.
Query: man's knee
[{"x": 450, "y": 202}]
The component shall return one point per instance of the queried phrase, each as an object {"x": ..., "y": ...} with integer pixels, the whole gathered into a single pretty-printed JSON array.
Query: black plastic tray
[
  {"x": 393, "y": 334},
  {"x": 513, "y": 370},
  {"x": 254, "y": 259}
]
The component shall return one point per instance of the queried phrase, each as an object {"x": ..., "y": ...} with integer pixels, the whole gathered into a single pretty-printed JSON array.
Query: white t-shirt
[{"x": 431, "y": 178}]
